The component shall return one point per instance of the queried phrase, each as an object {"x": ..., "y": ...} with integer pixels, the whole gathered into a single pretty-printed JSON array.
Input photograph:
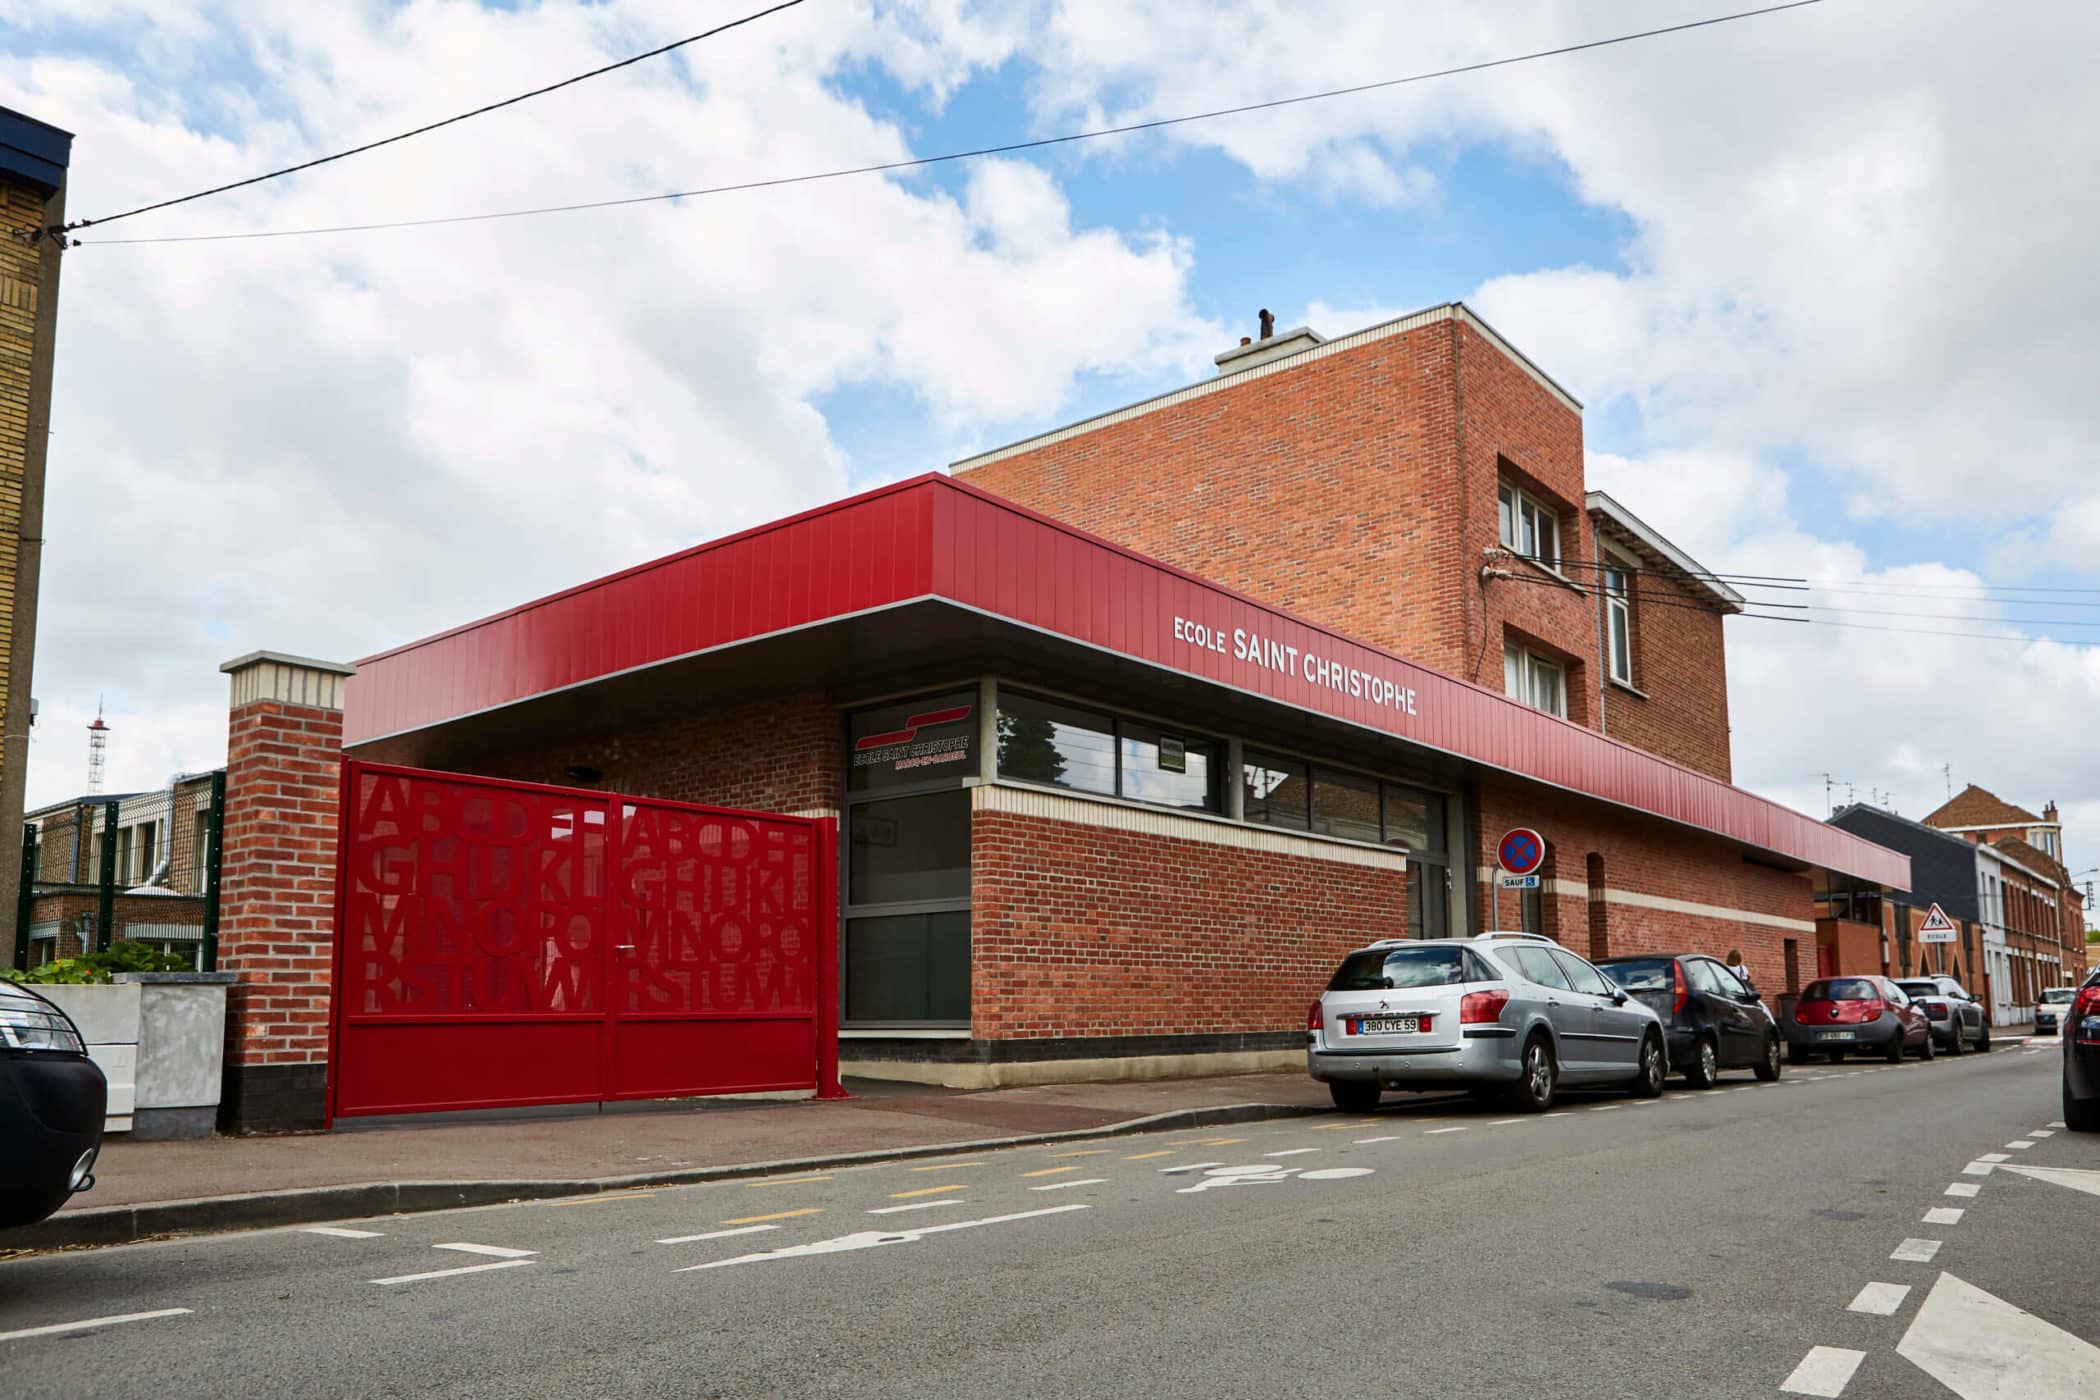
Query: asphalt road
[{"x": 1703, "y": 1245}]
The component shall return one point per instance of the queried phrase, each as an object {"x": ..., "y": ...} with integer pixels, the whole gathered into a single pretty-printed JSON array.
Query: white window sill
[{"x": 1635, "y": 691}]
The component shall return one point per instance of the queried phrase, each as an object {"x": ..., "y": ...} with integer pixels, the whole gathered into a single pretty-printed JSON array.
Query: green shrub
[{"x": 121, "y": 956}]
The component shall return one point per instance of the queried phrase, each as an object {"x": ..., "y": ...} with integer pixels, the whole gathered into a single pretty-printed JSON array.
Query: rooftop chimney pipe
[{"x": 1268, "y": 323}]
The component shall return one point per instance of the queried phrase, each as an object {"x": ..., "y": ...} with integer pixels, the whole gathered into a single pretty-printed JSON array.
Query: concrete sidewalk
[{"x": 371, "y": 1166}]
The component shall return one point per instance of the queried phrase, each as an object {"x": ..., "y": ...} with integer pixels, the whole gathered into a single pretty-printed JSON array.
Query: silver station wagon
[{"x": 1508, "y": 1014}]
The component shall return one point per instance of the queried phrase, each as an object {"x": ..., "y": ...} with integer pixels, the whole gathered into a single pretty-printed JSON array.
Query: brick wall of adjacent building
[
  {"x": 1080, "y": 931},
  {"x": 21, "y": 213},
  {"x": 126, "y": 913},
  {"x": 1678, "y": 704},
  {"x": 1745, "y": 905},
  {"x": 783, "y": 754}
]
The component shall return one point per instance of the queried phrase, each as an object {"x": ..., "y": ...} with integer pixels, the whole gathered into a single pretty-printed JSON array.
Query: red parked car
[{"x": 1840, "y": 1016}]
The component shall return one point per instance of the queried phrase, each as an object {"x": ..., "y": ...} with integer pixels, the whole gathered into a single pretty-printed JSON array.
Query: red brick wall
[
  {"x": 277, "y": 880},
  {"x": 1680, "y": 670},
  {"x": 776, "y": 755},
  {"x": 1080, "y": 931},
  {"x": 1644, "y": 856}
]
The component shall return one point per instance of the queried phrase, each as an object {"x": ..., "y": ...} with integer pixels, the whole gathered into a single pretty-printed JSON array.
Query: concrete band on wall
[{"x": 1633, "y": 899}]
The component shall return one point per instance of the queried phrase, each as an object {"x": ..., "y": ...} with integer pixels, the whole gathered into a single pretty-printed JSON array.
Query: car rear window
[
  {"x": 1922, "y": 989},
  {"x": 1840, "y": 989},
  {"x": 2056, "y": 996},
  {"x": 1377, "y": 968},
  {"x": 1641, "y": 974}
]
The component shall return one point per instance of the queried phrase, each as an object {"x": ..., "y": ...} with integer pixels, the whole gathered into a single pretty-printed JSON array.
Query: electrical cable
[
  {"x": 433, "y": 126},
  {"x": 918, "y": 162}
]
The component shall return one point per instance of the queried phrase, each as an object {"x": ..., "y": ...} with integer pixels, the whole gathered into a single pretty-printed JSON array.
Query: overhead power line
[
  {"x": 917, "y": 162},
  {"x": 657, "y": 52}
]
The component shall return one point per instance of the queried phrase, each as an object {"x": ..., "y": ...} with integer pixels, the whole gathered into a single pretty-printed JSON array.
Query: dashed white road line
[
  {"x": 2019, "y": 1145},
  {"x": 1498, "y": 1123},
  {"x": 494, "y": 1251},
  {"x": 1879, "y": 1299},
  {"x": 1605, "y": 1107},
  {"x": 1068, "y": 1185},
  {"x": 886, "y": 1210},
  {"x": 1186, "y": 1167},
  {"x": 1290, "y": 1152},
  {"x": 2041, "y": 1133},
  {"x": 1434, "y": 1131},
  {"x": 871, "y": 1239},
  {"x": 2056, "y": 1123},
  {"x": 1995, "y": 1157},
  {"x": 1825, "y": 1371},
  {"x": 1979, "y": 1168},
  {"x": 1943, "y": 1215},
  {"x": 1916, "y": 1251},
  {"x": 1390, "y": 1137},
  {"x": 454, "y": 1273},
  {"x": 739, "y": 1230},
  {"x": 1962, "y": 1188},
  {"x": 339, "y": 1232},
  {"x": 55, "y": 1328}
]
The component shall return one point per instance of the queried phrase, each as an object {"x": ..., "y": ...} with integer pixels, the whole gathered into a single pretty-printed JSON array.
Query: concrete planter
[{"x": 160, "y": 1038}]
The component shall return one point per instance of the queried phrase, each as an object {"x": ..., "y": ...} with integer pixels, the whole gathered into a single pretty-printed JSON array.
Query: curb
[{"x": 312, "y": 1205}]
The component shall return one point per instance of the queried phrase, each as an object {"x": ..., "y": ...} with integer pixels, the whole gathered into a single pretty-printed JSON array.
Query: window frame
[
  {"x": 1528, "y": 664},
  {"x": 1617, "y": 583},
  {"x": 1516, "y": 507},
  {"x": 1220, "y": 749}
]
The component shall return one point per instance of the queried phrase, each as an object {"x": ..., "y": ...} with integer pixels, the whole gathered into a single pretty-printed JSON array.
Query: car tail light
[
  {"x": 1681, "y": 991},
  {"x": 1937, "y": 1010},
  {"x": 1312, "y": 1017},
  {"x": 2088, "y": 1004},
  {"x": 1481, "y": 1008},
  {"x": 1424, "y": 1025},
  {"x": 1868, "y": 1010}
]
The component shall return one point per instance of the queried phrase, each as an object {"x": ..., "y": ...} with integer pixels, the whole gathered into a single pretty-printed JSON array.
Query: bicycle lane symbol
[{"x": 1268, "y": 1174}]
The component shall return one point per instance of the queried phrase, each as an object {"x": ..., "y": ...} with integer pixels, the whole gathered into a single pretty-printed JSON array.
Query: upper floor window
[
  {"x": 1618, "y": 617},
  {"x": 2045, "y": 841},
  {"x": 1531, "y": 678},
  {"x": 1528, "y": 526}
]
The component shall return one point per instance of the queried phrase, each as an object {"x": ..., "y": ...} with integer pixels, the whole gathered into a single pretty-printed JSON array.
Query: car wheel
[
  {"x": 1926, "y": 1049},
  {"x": 1354, "y": 1095},
  {"x": 2081, "y": 1115},
  {"x": 1954, "y": 1042},
  {"x": 1983, "y": 1043},
  {"x": 1705, "y": 1067},
  {"x": 1768, "y": 1067},
  {"x": 1895, "y": 1050},
  {"x": 1533, "y": 1092},
  {"x": 1648, "y": 1083}
]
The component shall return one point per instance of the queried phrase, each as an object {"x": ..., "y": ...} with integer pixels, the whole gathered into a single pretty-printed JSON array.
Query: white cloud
[{"x": 332, "y": 444}]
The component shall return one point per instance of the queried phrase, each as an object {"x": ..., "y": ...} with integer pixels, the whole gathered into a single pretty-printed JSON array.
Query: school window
[
  {"x": 1528, "y": 526},
  {"x": 1618, "y": 617},
  {"x": 1539, "y": 683}
]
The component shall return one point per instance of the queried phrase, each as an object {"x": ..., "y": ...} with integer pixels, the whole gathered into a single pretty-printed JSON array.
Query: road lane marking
[
  {"x": 601, "y": 1200},
  {"x": 1498, "y": 1123},
  {"x": 2056, "y": 1122},
  {"x": 494, "y": 1251},
  {"x": 1187, "y": 1167},
  {"x": 872, "y": 1239},
  {"x": 2078, "y": 1179},
  {"x": 2041, "y": 1133},
  {"x": 1943, "y": 1215},
  {"x": 1879, "y": 1299},
  {"x": 915, "y": 1205},
  {"x": 1979, "y": 1345},
  {"x": 786, "y": 1181},
  {"x": 776, "y": 1215},
  {"x": 1979, "y": 1169},
  {"x": 1605, "y": 1107},
  {"x": 1995, "y": 1157},
  {"x": 1389, "y": 1137},
  {"x": 719, "y": 1234},
  {"x": 55, "y": 1328},
  {"x": 1825, "y": 1371},
  {"x": 929, "y": 1191},
  {"x": 1064, "y": 1185},
  {"x": 1049, "y": 1171},
  {"x": 2020, "y": 1146},
  {"x": 454, "y": 1273},
  {"x": 339, "y": 1232},
  {"x": 1459, "y": 1129},
  {"x": 1558, "y": 1113},
  {"x": 1222, "y": 1142},
  {"x": 1916, "y": 1251},
  {"x": 1963, "y": 1188},
  {"x": 1322, "y": 1128},
  {"x": 945, "y": 1166},
  {"x": 1148, "y": 1156},
  {"x": 1082, "y": 1152},
  {"x": 1290, "y": 1152}
]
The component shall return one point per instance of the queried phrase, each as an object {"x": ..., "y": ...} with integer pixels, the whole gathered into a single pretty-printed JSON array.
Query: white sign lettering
[{"x": 1242, "y": 645}]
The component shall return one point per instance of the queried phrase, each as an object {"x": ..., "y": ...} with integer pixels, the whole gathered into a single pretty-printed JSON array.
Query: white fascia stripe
[
  {"x": 1113, "y": 814},
  {"x": 1577, "y": 889}
]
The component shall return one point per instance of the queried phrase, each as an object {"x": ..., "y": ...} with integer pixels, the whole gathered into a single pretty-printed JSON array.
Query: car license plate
[
  {"x": 1835, "y": 1035},
  {"x": 1388, "y": 1025}
]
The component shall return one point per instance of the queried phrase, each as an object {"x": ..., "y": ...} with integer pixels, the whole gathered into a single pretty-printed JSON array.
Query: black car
[
  {"x": 52, "y": 1098},
  {"x": 1711, "y": 1019},
  {"x": 1958, "y": 1019},
  {"x": 2082, "y": 1058}
]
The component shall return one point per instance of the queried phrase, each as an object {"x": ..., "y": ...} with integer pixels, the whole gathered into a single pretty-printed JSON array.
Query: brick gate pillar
[{"x": 284, "y": 751}]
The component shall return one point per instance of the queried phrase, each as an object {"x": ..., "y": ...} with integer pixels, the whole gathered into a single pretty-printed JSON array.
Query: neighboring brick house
[
  {"x": 2045, "y": 903},
  {"x": 162, "y": 853},
  {"x": 33, "y": 160},
  {"x": 1418, "y": 484}
]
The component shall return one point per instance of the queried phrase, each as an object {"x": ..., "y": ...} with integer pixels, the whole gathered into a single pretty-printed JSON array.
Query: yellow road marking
[
  {"x": 1334, "y": 1127},
  {"x": 594, "y": 1200},
  {"x": 1221, "y": 1142},
  {"x": 1084, "y": 1152},
  {"x": 786, "y": 1180},
  {"x": 777, "y": 1215},
  {"x": 927, "y": 1191},
  {"x": 1148, "y": 1156},
  {"x": 1050, "y": 1171},
  {"x": 944, "y": 1166}
]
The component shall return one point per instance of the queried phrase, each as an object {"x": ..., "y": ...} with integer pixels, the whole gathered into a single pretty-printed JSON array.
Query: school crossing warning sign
[{"x": 1937, "y": 928}]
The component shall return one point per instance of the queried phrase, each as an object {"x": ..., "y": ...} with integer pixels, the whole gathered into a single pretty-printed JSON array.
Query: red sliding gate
[{"x": 504, "y": 943}]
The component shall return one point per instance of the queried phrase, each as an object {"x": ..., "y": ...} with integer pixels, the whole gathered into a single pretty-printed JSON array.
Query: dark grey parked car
[
  {"x": 51, "y": 1102},
  {"x": 1506, "y": 1013},
  {"x": 2082, "y": 1058},
  {"x": 1958, "y": 1021}
]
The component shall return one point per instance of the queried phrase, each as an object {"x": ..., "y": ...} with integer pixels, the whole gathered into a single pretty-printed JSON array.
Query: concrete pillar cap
[{"x": 292, "y": 680}]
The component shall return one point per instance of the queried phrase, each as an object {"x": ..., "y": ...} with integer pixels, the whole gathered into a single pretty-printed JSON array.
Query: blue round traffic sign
[{"x": 1522, "y": 851}]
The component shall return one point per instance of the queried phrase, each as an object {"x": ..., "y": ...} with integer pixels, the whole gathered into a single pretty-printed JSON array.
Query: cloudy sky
[{"x": 1823, "y": 280}]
